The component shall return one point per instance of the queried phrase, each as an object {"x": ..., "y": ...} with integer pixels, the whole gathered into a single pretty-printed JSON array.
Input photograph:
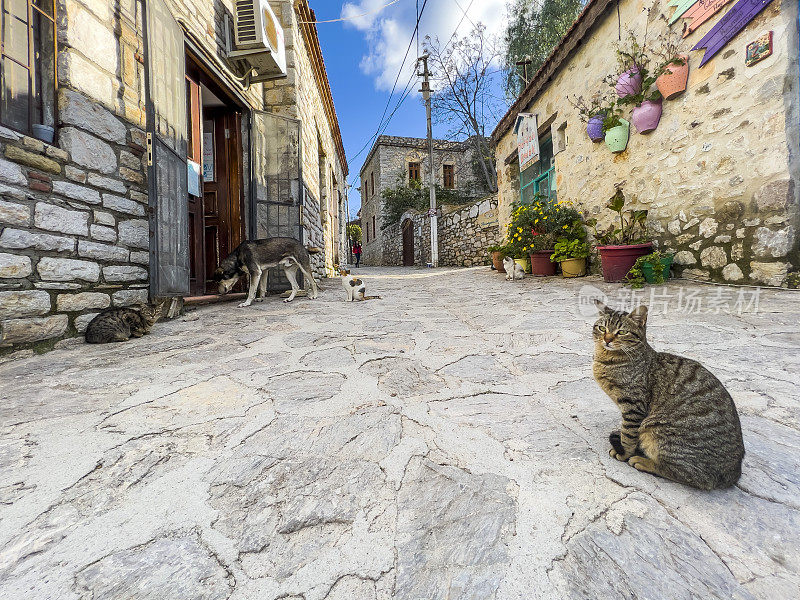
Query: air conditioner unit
[{"x": 259, "y": 38}]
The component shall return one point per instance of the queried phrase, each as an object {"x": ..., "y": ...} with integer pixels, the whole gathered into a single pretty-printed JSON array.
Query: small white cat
[
  {"x": 354, "y": 287},
  {"x": 513, "y": 270}
]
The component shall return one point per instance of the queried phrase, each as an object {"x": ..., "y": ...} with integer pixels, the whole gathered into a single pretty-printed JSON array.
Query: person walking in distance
[{"x": 357, "y": 253}]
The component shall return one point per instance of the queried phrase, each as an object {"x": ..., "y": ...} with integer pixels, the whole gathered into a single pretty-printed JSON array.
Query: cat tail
[
  {"x": 372, "y": 298},
  {"x": 314, "y": 250}
]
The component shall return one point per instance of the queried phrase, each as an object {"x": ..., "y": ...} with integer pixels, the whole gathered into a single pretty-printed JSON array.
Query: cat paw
[
  {"x": 641, "y": 463},
  {"x": 287, "y": 300},
  {"x": 617, "y": 455}
]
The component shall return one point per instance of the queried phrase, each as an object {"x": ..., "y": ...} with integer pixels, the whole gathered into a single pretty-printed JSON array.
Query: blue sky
[{"x": 363, "y": 57}]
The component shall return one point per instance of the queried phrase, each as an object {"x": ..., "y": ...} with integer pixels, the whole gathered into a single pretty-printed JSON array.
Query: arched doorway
[{"x": 408, "y": 243}]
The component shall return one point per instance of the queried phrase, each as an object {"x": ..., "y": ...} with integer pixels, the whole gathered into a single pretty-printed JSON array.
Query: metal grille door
[
  {"x": 276, "y": 182},
  {"x": 167, "y": 178}
]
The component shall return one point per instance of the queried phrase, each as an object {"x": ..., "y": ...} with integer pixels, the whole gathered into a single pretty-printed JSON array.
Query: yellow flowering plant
[{"x": 537, "y": 225}]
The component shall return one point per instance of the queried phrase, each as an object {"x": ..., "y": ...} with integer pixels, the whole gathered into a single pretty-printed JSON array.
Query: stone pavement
[{"x": 447, "y": 441}]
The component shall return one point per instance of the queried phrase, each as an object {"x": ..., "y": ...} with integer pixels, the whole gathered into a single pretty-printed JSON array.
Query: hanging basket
[
  {"x": 617, "y": 137},
  {"x": 672, "y": 82},
  {"x": 646, "y": 116},
  {"x": 594, "y": 128},
  {"x": 629, "y": 83}
]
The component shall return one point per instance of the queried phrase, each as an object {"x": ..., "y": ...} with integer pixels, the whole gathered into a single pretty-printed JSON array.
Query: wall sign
[
  {"x": 728, "y": 26},
  {"x": 700, "y": 12},
  {"x": 488, "y": 218},
  {"x": 193, "y": 171},
  {"x": 758, "y": 49},
  {"x": 527, "y": 130},
  {"x": 208, "y": 156},
  {"x": 681, "y": 6}
]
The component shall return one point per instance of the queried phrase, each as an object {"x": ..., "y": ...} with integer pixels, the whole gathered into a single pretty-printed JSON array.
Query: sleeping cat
[
  {"x": 120, "y": 324},
  {"x": 678, "y": 420}
]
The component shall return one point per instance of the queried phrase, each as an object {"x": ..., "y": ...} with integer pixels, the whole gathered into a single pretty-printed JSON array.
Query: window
[
  {"x": 372, "y": 183},
  {"x": 449, "y": 176},
  {"x": 413, "y": 172},
  {"x": 373, "y": 226},
  {"x": 539, "y": 178},
  {"x": 28, "y": 67}
]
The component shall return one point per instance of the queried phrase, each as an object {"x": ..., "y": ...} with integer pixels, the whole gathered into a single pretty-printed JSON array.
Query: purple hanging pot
[
  {"x": 630, "y": 82},
  {"x": 646, "y": 116},
  {"x": 594, "y": 128}
]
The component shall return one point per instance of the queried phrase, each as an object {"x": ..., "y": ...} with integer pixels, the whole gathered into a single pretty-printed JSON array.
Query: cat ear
[
  {"x": 602, "y": 308},
  {"x": 639, "y": 315}
]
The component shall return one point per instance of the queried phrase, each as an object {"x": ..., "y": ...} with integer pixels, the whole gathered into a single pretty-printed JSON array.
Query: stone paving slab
[{"x": 445, "y": 442}]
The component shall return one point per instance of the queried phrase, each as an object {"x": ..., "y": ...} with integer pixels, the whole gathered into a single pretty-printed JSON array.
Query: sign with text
[
  {"x": 681, "y": 6},
  {"x": 700, "y": 12},
  {"x": 208, "y": 156},
  {"x": 728, "y": 26},
  {"x": 488, "y": 218},
  {"x": 527, "y": 130}
]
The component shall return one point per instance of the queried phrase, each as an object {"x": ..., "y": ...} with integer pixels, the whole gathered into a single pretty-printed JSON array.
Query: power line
[
  {"x": 364, "y": 14},
  {"x": 404, "y": 94}
]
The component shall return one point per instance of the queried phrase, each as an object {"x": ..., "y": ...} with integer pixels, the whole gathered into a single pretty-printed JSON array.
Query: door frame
[{"x": 407, "y": 227}]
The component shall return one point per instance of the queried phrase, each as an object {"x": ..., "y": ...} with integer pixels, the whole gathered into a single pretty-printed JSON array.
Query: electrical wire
[
  {"x": 382, "y": 124},
  {"x": 339, "y": 20}
]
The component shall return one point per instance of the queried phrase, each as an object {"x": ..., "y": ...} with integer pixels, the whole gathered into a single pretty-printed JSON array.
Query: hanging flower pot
[
  {"x": 629, "y": 83},
  {"x": 617, "y": 137},
  {"x": 594, "y": 128},
  {"x": 646, "y": 116},
  {"x": 541, "y": 265},
  {"x": 672, "y": 82}
]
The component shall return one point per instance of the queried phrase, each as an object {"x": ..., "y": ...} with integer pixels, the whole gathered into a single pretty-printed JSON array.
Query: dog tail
[
  {"x": 314, "y": 250},
  {"x": 372, "y": 297}
]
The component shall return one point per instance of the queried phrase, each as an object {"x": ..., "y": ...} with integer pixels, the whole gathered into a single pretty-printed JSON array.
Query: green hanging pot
[{"x": 617, "y": 137}]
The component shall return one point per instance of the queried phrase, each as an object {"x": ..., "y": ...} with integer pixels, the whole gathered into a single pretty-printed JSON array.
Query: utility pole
[{"x": 426, "y": 94}]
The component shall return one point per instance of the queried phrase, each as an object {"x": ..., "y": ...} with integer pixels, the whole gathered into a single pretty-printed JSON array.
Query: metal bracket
[{"x": 149, "y": 149}]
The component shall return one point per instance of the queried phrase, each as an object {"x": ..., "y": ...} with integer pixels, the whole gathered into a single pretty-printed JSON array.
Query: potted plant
[
  {"x": 620, "y": 246},
  {"x": 646, "y": 113},
  {"x": 652, "y": 268},
  {"x": 672, "y": 73},
  {"x": 498, "y": 253},
  {"x": 616, "y": 130},
  {"x": 571, "y": 254},
  {"x": 550, "y": 220},
  {"x": 519, "y": 235},
  {"x": 632, "y": 58},
  {"x": 592, "y": 112},
  {"x": 542, "y": 249}
]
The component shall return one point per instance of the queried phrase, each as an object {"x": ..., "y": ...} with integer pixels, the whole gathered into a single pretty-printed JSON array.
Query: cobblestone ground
[{"x": 447, "y": 441}]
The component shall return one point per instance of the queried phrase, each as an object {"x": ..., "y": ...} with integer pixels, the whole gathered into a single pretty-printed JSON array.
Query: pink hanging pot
[
  {"x": 629, "y": 83},
  {"x": 646, "y": 116}
]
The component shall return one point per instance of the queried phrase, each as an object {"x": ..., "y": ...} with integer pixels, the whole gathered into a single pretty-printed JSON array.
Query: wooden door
[
  {"x": 197, "y": 268},
  {"x": 408, "y": 243},
  {"x": 223, "y": 210}
]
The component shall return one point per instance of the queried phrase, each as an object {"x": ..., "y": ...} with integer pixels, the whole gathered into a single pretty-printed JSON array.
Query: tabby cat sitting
[
  {"x": 120, "y": 324},
  {"x": 678, "y": 420}
]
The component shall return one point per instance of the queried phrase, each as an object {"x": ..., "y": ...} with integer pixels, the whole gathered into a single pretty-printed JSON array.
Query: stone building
[
  {"x": 394, "y": 161},
  {"x": 718, "y": 176},
  {"x": 170, "y": 131}
]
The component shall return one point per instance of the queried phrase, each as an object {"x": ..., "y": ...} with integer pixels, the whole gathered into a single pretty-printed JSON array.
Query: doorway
[
  {"x": 408, "y": 243},
  {"x": 216, "y": 200}
]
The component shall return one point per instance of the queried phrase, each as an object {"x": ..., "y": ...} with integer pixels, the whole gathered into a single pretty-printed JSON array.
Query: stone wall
[
  {"x": 388, "y": 160},
  {"x": 719, "y": 176},
  {"x": 465, "y": 232}
]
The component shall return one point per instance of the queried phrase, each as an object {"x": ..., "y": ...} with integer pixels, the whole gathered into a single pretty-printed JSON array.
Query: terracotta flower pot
[
  {"x": 617, "y": 137},
  {"x": 672, "y": 82},
  {"x": 594, "y": 128},
  {"x": 497, "y": 261},
  {"x": 646, "y": 116},
  {"x": 524, "y": 263},
  {"x": 630, "y": 82},
  {"x": 541, "y": 265},
  {"x": 573, "y": 267},
  {"x": 616, "y": 261}
]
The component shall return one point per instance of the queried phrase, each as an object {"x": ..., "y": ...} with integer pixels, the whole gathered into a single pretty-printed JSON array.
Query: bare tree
[{"x": 464, "y": 96}]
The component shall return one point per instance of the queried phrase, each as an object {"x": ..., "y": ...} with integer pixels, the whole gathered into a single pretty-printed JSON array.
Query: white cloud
[{"x": 388, "y": 31}]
